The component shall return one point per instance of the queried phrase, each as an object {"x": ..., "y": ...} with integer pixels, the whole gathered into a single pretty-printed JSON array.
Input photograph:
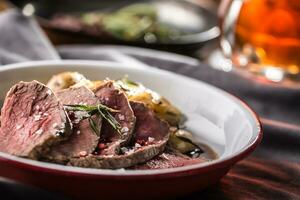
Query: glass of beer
[{"x": 262, "y": 37}]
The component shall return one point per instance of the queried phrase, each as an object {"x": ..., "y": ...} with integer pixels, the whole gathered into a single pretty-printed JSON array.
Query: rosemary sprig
[
  {"x": 94, "y": 126},
  {"x": 105, "y": 113},
  {"x": 87, "y": 108},
  {"x": 99, "y": 109}
]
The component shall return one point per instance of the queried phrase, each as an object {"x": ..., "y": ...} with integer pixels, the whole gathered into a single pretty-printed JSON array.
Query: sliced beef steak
[
  {"x": 148, "y": 125},
  {"x": 132, "y": 157},
  {"x": 32, "y": 120},
  {"x": 83, "y": 140},
  {"x": 151, "y": 136},
  {"x": 169, "y": 159},
  {"x": 116, "y": 99}
]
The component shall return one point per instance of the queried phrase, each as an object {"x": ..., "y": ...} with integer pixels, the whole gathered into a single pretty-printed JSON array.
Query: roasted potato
[
  {"x": 65, "y": 80},
  {"x": 182, "y": 141},
  {"x": 161, "y": 106}
]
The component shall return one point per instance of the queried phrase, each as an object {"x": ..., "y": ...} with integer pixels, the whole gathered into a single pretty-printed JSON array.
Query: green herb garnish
[
  {"x": 99, "y": 109},
  {"x": 94, "y": 126},
  {"x": 129, "y": 82},
  {"x": 105, "y": 113}
]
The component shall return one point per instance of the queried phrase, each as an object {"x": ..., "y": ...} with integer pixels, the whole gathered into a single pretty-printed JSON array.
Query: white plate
[{"x": 215, "y": 117}]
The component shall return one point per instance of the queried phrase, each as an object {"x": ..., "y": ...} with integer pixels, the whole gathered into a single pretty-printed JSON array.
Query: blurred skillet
[{"x": 199, "y": 24}]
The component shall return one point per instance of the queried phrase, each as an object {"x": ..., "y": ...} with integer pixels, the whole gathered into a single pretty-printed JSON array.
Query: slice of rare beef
[
  {"x": 169, "y": 159},
  {"x": 151, "y": 136},
  {"x": 148, "y": 125},
  {"x": 32, "y": 120},
  {"x": 111, "y": 140},
  {"x": 83, "y": 140},
  {"x": 133, "y": 156}
]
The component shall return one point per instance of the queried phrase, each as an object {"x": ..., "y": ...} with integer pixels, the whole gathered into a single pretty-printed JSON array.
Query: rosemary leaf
[
  {"x": 94, "y": 126},
  {"x": 79, "y": 108},
  {"x": 105, "y": 108},
  {"x": 87, "y": 108},
  {"x": 109, "y": 118},
  {"x": 99, "y": 109}
]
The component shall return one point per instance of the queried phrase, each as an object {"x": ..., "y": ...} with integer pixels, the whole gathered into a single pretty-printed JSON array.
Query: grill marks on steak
[
  {"x": 116, "y": 99},
  {"x": 32, "y": 119},
  {"x": 83, "y": 140},
  {"x": 151, "y": 136}
]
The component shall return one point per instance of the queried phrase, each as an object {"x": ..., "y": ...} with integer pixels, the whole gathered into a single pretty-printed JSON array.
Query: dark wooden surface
[{"x": 271, "y": 172}]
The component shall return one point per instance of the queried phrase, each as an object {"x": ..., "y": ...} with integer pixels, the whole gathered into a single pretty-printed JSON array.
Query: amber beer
[{"x": 267, "y": 37}]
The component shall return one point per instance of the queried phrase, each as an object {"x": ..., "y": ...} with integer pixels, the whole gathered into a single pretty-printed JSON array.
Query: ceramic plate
[{"x": 216, "y": 118}]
